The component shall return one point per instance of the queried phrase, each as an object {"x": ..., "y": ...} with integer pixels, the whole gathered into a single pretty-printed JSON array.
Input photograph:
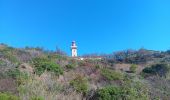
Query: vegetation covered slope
[{"x": 35, "y": 74}]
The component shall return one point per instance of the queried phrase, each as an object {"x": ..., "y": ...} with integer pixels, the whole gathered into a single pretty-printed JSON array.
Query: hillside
[{"x": 35, "y": 74}]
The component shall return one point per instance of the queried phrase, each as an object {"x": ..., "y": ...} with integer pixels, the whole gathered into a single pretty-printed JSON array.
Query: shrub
[
  {"x": 136, "y": 92},
  {"x": 5, "y": 67},
  {"x": 80, "y": 84},
  {"x": 56, "y": 56},
  {"x": 13, "y": 73},
  {"x": 133, "y": 68},
  {"x": 9, "y": 53},
  {"x": 7, "y": 96},
  {"x": 19, "y": 76},
  {"x": 35, "y": 89},
  {"x": 42, "y": 64},
  {"x": 157, "y": 69},
  {"x": 97, "y": 66},
  {"x": 37, "y": 98},
  {"x": 109, "y": 93},
  {"x": 2, "y": 63},
  {"x": 112, "y": 74},
  {"x": 70, "y": 66}
]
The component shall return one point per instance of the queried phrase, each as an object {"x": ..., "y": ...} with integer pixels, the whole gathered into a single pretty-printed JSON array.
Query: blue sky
[{"x": 101, "y": 26}]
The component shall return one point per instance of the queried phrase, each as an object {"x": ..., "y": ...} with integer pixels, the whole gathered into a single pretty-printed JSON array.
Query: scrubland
[{"x": 35, "y": 74}]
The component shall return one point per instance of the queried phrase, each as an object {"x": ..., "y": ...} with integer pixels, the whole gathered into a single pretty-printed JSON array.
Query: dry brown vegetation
[{"x": 64, "y": 78}]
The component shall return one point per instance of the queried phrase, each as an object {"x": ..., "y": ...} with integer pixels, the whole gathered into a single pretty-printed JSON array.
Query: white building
[
  {"x": 73, "y": 49},
  {"x": 75, "y": 56}
]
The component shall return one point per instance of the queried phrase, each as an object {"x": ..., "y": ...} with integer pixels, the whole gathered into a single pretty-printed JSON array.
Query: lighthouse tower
[{"x": 73, "y": 49}]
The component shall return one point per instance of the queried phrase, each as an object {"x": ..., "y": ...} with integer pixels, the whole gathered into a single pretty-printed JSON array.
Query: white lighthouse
[{"x": 73, "y": 49}]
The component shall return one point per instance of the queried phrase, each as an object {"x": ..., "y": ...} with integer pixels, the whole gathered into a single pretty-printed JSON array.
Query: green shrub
[
  {"x": 19, "y": 76},
  {"x": 109, "y": 93},
  {"x": 14, "y": 73},
  {"x": 157, "y": 69},
  {"x": 80, "y": 84},
  {"x": 133, "y": 68},
  {"x": 56, "y": 56},
  {"x": 9, "y": 53},
  {"x": 97, "y": 66},
  {"x": 112, "y": 74},
  {"x": 122, "y": 93},
  {"x": 7, "y": 96},
  {"x": 70, "y": 66},
  {"x": 42, "y": 64},
  {"x": 2, "y": 63},
  {"x": 37, "y": 98}
]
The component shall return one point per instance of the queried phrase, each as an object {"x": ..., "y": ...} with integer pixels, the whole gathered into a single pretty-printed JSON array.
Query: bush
[
  {"x": 70, "y": 66},
  {"x": 97, "y": 66},
  {"x": 112, "y": 74},
  {"x": 80, "y": 84},
  {"x": 37, "y": 98},
  {"x": 35, "y": 89},
  {"x": 42, "y": 64},
  {"x": 7, "y": 96},
  {"x": 2, "y": 63},
  {"x": 109, "y": 93},
  {"x": 13, "y": 73},
  {"x": 157, "y": 69},
  {"x": 9, "y": 53},
  {"x": 133, "y": 68},
  {"x": 56, "y": 56},
  {"x": 19, "y": 76},
  {"x": 136, "y": 92}
]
